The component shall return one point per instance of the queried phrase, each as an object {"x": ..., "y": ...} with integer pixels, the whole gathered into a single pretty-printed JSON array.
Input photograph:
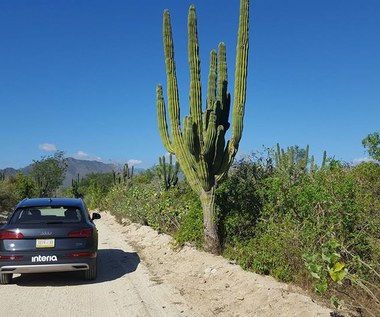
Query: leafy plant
[
  {"x": 49, "y": 173},
  {"x": 372, "y": 143},
  {"x": 324, "y": 265}
]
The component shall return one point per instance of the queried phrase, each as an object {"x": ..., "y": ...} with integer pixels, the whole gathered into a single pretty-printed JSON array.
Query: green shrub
[
  {"x": 191, "y": 222},
  {"x": 240, "y": 201},
  {"x": 8, "y": 195},
  {"x": 176, "y": 211}
]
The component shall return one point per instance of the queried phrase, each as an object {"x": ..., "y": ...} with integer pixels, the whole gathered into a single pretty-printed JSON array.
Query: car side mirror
[{"x": 95, "y": 215}]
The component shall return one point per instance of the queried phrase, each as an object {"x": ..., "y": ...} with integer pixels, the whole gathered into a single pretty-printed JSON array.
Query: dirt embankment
[
  {"x": 141, "y": 275},
  {"x": 211, "y": 285}
]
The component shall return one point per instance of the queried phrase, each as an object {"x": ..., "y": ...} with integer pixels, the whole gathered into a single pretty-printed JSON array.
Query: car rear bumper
[
  {"x": 44, "y": 268},
  {"x": 56, "y": 262}
]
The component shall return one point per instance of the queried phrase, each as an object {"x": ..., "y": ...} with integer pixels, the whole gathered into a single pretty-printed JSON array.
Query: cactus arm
[
  {"x": 212, "y": 78},
  {"x": 219, "y": 150},
  {"x": 324, "y": 159},
  {"x": 241, "y": 70},
  {"x": 313, "y": 166},
  {"x": 223, "y": 96},
  {"x": 278, "y": 155},
  {"x": 195, "y": 80},
  {"x": 306, "y": 158},
  {"x": 210, "y": 135},
  {"x": 206, "y": 117},
  {"x": 188, "y": 134},
  {"x": 181, "y": 151},
  {"x": 170, "y": 172},
  {"x": 164, "y": 173},
  {"x": 228, "y": 158},
  {"x": 172, "y": 90},
  {"x": 162, "y": 123},
  {"x": 240, "y": 75},
  {"x": 159, "y": 169},
  {"x": 176, "y": 170},
  {"x": 290, "y": 158}
]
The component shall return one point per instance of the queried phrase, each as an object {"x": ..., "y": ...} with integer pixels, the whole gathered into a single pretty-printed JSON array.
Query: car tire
[
  {"x": 5, "y": 278},
  {"x": 91, "y": 273}
]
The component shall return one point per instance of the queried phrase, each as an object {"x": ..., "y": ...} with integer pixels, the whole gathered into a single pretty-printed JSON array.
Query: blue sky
[{"x": 80, "y": 75}]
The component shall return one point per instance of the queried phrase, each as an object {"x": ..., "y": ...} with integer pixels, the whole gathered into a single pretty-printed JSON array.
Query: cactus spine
[
  {"x": 199, "y": 145},
  {"x": 168, "y": 173}
]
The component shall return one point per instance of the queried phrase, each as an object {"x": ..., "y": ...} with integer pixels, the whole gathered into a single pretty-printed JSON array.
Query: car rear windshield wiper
[{"x": 53, "y": 222}]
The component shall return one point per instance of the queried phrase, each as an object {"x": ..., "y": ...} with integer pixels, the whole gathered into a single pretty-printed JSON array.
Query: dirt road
[
  {"x": 124, "y": 287},
  {"x": 156, "y": 281}
]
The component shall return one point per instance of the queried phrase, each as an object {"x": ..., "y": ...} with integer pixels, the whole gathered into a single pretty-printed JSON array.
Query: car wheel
[
  {"x": 5, "y": 278},
  {"x": 91, "y": 273}
]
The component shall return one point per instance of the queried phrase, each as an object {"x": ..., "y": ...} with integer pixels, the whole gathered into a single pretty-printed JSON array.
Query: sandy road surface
[
  {"x": 124, "y": 287},
  {"x": 156, "y": 281}
]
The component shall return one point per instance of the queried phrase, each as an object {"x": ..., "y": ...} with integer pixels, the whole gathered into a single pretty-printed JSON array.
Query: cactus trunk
[
  {"x": 200, "y": 147},
  {"x": 212, "y": 243}
]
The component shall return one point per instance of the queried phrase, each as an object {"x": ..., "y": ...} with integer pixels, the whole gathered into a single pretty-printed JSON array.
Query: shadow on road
[{"x": 112, "y": 264}]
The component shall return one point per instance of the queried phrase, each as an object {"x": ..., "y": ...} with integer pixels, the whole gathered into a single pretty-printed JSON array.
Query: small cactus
[
  {"x": 294, "y": 159},
  {"x": 168, "y": 173},
  {"x": 114, "y": 174},
  {"x": 127, "y": 173},
  {"x": 75, "y": 187}
]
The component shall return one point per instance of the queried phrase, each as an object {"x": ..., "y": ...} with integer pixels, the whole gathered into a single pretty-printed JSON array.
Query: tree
[
  {"x": 95, "y": 187},
  {"x": 25, "y": 186},
  {"x": 372, "y": 144},
  {"x": 199, "y": 145},
  {"x": 49, "y": 173},
  {"x": 8, "y": 196}
]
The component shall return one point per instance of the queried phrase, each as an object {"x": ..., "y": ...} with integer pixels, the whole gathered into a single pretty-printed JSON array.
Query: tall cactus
[{"x": 199, "y": 145}]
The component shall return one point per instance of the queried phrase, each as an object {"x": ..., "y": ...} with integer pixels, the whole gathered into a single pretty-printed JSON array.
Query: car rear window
[{"x": 47, "y": 214}]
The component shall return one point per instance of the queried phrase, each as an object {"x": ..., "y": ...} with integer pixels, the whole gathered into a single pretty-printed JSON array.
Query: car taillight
[
  {"x": 82, "y": 233},
  {"x": 4, "y": 234},
  {"x": 11, "y": 257}
]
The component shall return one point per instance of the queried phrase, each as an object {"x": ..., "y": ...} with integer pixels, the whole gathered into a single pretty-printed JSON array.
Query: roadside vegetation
[
  {"x": 43, "y": 180},
  {"x": 278, "y": 214}
]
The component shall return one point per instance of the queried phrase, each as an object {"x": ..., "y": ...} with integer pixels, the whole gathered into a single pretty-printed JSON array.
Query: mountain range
[{"x": 74, "y": 167}]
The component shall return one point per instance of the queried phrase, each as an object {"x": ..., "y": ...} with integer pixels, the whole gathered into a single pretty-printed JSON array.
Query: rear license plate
[{"x": 45, "y": 243}]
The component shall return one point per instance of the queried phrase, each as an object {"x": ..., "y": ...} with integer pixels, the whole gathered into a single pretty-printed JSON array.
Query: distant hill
[
  {"x": 74, "y": 167},
  {"x": 84, "y": 167},
  {"x": 9, "y": 171}
]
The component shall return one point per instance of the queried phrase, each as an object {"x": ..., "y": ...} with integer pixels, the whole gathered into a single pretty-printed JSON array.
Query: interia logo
[{"x": 47, "y": 258}]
